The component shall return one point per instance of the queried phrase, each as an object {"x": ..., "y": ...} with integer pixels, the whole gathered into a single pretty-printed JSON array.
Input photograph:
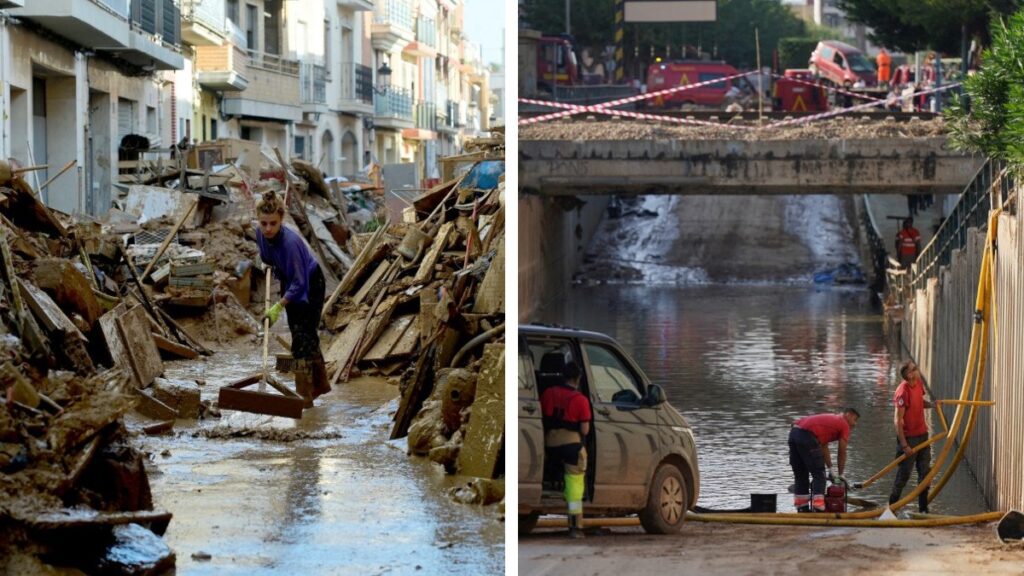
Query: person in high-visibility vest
[
  {"x": 908, "y": 243},
  {"x": 567, "y": 418},
  {"x": 884, "y": 62}
]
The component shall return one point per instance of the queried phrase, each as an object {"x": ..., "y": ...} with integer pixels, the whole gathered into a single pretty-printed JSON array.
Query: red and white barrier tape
[
  {"x": 829, "y": 88},
  {"x": 831, "y": 113},
  {"x": 597, "y": 108}
]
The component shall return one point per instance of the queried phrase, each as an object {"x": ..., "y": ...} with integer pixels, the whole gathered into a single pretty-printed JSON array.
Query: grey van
[{"x": 641, "y": 452}]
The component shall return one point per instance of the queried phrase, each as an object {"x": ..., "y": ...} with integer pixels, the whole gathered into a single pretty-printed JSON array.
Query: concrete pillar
[
  {"x": 63, "y": 141},
  {"x": 5, "y": 91}
]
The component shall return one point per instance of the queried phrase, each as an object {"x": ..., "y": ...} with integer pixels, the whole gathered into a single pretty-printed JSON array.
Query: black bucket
[
  {"x": 1011, "y": 527},
  {"x": 763, "y": 503}
]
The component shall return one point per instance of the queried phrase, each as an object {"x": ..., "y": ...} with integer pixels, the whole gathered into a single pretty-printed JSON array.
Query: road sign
[{"x": 671, "y": 10}]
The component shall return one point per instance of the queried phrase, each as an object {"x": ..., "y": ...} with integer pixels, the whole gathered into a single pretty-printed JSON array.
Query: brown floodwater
[
  {"x": 741, "y": 362},
  {"x": 340, "y": 499}
]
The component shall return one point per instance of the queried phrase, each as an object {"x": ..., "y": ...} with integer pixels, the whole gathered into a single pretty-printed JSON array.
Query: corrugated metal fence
[{"x": 937, "y": 332}]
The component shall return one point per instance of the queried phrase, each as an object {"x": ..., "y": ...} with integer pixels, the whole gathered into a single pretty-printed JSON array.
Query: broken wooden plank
[
  {"x": 426, "y": 269},
  {"x": 80, "y": 518},
  {"x": 150, "y": 406},
  {"x": 174, "y": 349},
  {"x": 235, "y": 397},
  {"x": 133, "y": 327},
  {"x": 381, "y": 349},
  {"x": 408, "y": 342},
  {"x": 158, "y": 428},
  {"x": 108, "y": 325},
  {"x": 46, "y": 310},
  {"x": 343, "y": 345},
  {"x": 364, "y": 259},
  {"x": 378, "y": 322},
  {"x": 415, "y": 393},
  {"x": 490, "y": 297},
  {"x": 371, "y": 281},
  {"x": 486, "y": 429}
]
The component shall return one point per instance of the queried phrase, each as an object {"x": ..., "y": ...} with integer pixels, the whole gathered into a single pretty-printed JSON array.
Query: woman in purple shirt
[{"x": 302, "y": 294}]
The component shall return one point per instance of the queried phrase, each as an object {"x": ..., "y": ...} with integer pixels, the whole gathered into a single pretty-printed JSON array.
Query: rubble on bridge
[{"x": 602, "y": 128}]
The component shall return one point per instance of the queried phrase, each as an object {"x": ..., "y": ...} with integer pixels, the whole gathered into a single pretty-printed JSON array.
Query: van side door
[
  {"x": 531, "y": 432},
  {"x": 627, "y": 440}
]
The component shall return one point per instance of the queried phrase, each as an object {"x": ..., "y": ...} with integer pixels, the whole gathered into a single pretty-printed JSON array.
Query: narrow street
[{"x": 327, "y": 494}]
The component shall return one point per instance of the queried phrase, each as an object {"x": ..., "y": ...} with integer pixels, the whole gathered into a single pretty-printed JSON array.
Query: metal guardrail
[
  {"x": 312, "y": 83},
  {"x": 396, "y": 102},
  {"x": 356, "y": 82},
  {"x": 992, "y": 182},
  {"x": 398, "y": 12},
  {"x": 272, "y": 62},
  {"x": 207, "y": 12}
]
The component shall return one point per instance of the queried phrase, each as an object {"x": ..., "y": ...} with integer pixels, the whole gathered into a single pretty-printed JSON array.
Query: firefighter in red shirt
[
  {"x": 566, "y": 423},
  {"x": 908, "y": 243},
  {"x": 808, "y": 454},
  {"x": 911, "y": 430}
]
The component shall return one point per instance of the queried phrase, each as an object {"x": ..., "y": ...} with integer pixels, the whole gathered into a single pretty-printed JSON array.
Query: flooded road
[
  {"x": 333, "y": 497},
  {"x": 742, "y": 362}
]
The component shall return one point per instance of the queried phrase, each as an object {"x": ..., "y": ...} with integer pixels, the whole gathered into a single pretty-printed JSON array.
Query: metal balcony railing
[
  {"x": 397, "y": 12},
  {"x": 207, "y": 12},
  {"x": 426, "y": 116},
  {"x": 272, "y": 62},
  {"x": 158, "y": 17},
  {"x": 356, "y": 82},
  {"x": 426, "y": 31},
  {"x": 992, "y": 182},
  {"x": 312, "y": 83},
  {"x": 395, "y": 102}
]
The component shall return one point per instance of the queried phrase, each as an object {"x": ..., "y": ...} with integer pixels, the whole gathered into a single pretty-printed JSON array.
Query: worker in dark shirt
[
  {"x": 809, "y": 438},
  {"x": 566, "y": 423},
  {"x": 302, "y": 294}
]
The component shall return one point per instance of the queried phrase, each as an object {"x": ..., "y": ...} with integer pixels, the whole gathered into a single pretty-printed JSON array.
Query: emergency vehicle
[
  {"x": 792, "y": 93},
  {"x": 662, "y": 75}
]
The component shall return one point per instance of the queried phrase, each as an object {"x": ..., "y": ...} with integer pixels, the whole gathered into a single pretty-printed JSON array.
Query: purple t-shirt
[{"x": 292, "y": 261}]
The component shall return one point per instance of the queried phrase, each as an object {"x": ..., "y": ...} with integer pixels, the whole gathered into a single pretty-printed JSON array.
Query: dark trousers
[
  {"x": 304, "y": 319},
  {"x": 805, "y": 458},
  {"x": 922, "y": 460}
]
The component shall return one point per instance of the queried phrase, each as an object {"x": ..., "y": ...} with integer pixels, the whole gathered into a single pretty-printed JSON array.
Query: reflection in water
[{"x": 743, "y": 362}]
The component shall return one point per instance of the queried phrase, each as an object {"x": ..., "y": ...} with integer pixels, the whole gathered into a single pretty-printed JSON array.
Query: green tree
[
  {"x": 911, "y": 25},
  {"x": 990, "y": 119}
]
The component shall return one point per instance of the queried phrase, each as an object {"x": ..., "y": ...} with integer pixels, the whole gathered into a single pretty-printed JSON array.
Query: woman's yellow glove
[{"x": 274, "y": 313}]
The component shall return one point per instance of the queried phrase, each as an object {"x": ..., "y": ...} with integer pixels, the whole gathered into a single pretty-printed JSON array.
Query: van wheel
[
  {"x": 667, "y": 502},
  {"x": 527, "y": 522}
]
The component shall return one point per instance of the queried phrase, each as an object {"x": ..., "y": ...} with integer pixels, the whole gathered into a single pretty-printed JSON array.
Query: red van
[
  {"x": 664, "y": 75},
  {"x": 842, "y": 64}
]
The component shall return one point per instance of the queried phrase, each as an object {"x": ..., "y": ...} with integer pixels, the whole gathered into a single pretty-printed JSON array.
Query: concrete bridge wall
[
  {"x": 893, "y": 166},
  {"x": 937, "y": 331},
  {"x": 552, "y": 241}
]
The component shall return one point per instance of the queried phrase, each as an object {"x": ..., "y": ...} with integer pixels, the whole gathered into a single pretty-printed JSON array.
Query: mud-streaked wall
[
  {"x": 937, "y": 332},
  {"x": 552, "y": 241}
]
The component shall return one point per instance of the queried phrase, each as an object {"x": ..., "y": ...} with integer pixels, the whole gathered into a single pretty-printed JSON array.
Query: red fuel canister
[{"x": 835, "y": 498}]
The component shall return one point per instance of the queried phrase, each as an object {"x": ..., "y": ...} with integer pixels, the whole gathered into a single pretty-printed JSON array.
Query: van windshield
[
  {"x": 858, "y": 63},
  {"x": 707, "y": 76}
]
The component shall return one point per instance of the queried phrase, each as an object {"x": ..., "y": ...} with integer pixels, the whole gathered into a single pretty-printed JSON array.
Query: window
[
  {"x": 151, "y": 120},
  {"x": 613, "y": 381},
  {"x": 706, "y": 76},
  {"x": 213, "y": 128},
  {"x": 300, "y": 147},
  {"x": 251, "y": 27},
  {"x": 549, "y": 358},
  {"x": 838, "y": 60},
  {"x": 524, "y": 365},
  {"x": 231, "y": 11}
]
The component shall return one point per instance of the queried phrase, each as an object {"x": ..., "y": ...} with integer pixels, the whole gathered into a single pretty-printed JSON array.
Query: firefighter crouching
[{"x": 566, "y": 424}]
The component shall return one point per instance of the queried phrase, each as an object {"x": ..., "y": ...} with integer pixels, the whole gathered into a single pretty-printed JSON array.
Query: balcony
[
  {"x": 392, "y": 25},
  {"x": 357, "y": 5},
  {"x": 155, "y": 39},
  {"x": 450, "y": 118},
  {"x": 356, "y": 88},
  {"x": 426, "y": 123},
  {"x": 273, "y": 91},
  {"x": 221, "y": 68},
  {"x": 89, "y": 23},
  {"x": 202, "y": 22},
  {"x": 426, "y": 38},
  {"x": 393, "y": 109},
  {"x": 12, "y": 3},
  {"x": 313, "y": 87}
]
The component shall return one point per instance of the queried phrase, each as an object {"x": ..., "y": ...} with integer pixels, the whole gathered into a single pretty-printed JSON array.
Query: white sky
[{"x": 484, "y": 25}]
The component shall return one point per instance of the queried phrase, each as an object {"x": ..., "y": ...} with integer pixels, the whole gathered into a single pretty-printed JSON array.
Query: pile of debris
[
  {"x": 71, "y": 485},
  {"x": 423, "y": 303},
  {"x": 598, "y": 128}
]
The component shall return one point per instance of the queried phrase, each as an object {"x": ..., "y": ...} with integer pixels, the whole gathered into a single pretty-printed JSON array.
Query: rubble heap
[{"x": 423, "y": 303}]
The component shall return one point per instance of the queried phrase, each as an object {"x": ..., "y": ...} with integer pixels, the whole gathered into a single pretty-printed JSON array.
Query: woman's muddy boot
[
  {"x": 321, "y": 385},
  {"x": 304, "y": 381}
]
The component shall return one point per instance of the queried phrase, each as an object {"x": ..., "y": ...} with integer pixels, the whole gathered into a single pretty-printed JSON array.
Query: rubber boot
[
  {"x": 304, "y": 381},
  {"x": 576, "y": 526},
  {"x": 321, "y": 384}
]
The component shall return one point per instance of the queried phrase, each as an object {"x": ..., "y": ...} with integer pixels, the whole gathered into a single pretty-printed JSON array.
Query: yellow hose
[
  {"x": 901, "y": 458},
  {"x": 774, "y": 519}
]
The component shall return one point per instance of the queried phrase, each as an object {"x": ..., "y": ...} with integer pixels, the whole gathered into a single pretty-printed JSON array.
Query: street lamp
[{"x": 383, "y": 79}]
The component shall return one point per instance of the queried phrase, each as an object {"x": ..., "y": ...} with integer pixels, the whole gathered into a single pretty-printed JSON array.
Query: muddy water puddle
[
  {"x": 334, "y": 497},
  {"x": 742, "y": 362}
]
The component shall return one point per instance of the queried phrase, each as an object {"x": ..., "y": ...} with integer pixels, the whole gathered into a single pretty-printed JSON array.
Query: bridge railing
[{"x": 992, "y": 182}]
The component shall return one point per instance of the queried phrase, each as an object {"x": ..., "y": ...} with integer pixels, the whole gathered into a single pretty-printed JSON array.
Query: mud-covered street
[
  {"x": 327, "y": 494},
  {"x": 740, "y": 549}
]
